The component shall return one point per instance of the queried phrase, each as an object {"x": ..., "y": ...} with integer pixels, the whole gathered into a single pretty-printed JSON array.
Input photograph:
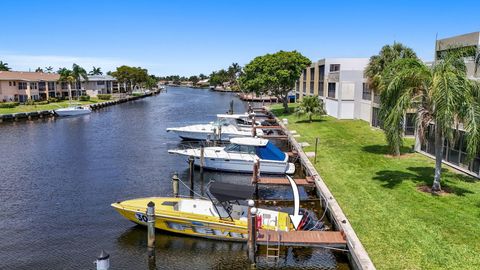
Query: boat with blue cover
[{"x": 240, "y": 155}]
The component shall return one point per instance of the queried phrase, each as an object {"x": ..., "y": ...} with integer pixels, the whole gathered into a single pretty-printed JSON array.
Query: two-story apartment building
[{"x": 22, "y": 86}]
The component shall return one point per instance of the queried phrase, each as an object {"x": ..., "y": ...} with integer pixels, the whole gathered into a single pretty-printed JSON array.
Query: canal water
[{"x": 59, "y": 177}]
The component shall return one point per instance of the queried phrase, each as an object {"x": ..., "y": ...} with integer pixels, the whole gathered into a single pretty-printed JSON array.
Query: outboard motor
[{"x": 310, "y": 222}]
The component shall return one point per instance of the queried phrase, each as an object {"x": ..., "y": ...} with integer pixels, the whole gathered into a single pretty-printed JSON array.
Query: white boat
[
  {"x": 240, "y": 155},
  {"x": 223, "y": 129},
  {"x": 73, "y": 111},
  {"x": 240, "y": 119}
]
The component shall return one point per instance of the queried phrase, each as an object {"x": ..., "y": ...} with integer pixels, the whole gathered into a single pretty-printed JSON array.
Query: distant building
[
  {"x": 21, "y": 86},
  {"x": 100, "y": 84}
]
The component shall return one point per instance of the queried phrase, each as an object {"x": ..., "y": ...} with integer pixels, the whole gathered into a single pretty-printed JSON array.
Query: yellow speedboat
[{"x": 223, "y": 220}]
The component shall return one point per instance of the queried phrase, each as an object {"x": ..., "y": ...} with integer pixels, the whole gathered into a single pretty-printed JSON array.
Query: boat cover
[
  {"x": 231, "y": 192},
  {"x": 270, "y": 152}
]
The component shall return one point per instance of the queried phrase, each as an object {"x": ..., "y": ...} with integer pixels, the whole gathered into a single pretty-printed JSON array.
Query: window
[
  {"x": 41, "y": 86},
  {"x": 321, "y": 72},
  {"x": 9, "y": 83},
  {"x": 304, "y": 90},
  {"x": 297, "y": 86},
  {"x": 304, "y": 74},
  {"x": 376, "y": 122},
  {"x": 312, "y": 86},
  {"x": 312, "y": 74},
  {"x": 334, "y": 67},
  {"x": 376, "y": 98},
  {"x": 64, "y": 85},
  {"x": 101, "y": 83},
  {"x": 14, "y": 83},
  {"x": 320, "y": 89},
  {"x": 331, "y": 90},
  {"x": 22, "y": 86},
  {"x": 367, "y": 93},
  {"x": 51, "y": 86},
  {"x": 410, "y": 124}
]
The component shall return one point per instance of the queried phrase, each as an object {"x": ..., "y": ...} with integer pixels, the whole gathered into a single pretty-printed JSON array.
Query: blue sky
[{"x": 192, "y": 37}]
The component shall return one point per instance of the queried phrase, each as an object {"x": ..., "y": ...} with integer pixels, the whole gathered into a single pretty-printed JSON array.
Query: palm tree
[
  {"x": 67, "y": 76},
  {"x": 39, "y": 69},
  {"x": 4, "y": 66},
  {"x": 310, "y": 106},
  {"x": 79, "y": 73},
  {"x": 96, "y": 71},
  {"x": 441, "y": 94},
  {"x": 378, "y": 63},
  {"x": 49, "y": 69}
]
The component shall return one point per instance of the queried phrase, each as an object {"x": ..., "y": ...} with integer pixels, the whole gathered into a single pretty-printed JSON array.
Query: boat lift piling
[
  {"x": 254, "y": 129},
  {"x": 256, "y": 176},
  {"x": 151, "y": 229},
  {"x": 191, "y": 172},
  {"x": 231, "y": 107},
  {"x": 175, "y": 184}
]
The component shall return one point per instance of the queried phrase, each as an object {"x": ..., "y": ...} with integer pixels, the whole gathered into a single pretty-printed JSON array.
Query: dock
[
  {"x": 308, "y": 181},
  {"x": 322, "y": 239}
]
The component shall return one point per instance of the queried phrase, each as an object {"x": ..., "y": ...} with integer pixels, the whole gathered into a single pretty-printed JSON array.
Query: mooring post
[
  {"x": 250, "y": 110},
  {"x": 191, "y": 171},
  {"x": 219, "y": 133},
  {"x": 231, "y": 107},
  {"x": 151, "y": 229},
  {"x": 103, "y": 261},
  {"x": 202, "y": 158},
  {"x": 252, "y": 235},
  {"x": 175, "y": 184},
  {"x": 256, "y": 175},
  {"x": 315, "y": 158},
  {"x": 254, "y": 128}
]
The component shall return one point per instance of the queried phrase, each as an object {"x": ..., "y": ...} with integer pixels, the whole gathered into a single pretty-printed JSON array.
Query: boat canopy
[
  {"x": 230, "y": 192},
  {"x": 270, "y": 152},
  {"x": 249, "y": 141}
]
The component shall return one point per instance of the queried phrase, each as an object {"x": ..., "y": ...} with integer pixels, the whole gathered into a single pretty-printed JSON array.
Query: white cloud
[{"x": 24, "y": 62}]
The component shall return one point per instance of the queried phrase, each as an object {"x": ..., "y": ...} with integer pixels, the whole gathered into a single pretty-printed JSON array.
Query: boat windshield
[
  {"x": 222, "y": 122},
  {"x": 238, "y": 148}
]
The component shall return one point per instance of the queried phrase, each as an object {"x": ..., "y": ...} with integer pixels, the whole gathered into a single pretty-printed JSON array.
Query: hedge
[
  {"x": 8, "y": 104},
  {"x": 104, "y": 96}
]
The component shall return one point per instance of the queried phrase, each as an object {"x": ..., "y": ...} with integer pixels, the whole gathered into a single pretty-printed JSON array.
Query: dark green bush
[
  {"x": 53, "y": 99},
  {"x": 84, "y": 98},
  {"x": 104, "y": 96},
  {"x": 30, "y": 102},
  {"x": 8, "y": 104},
  {"x": 44, "y": 102}
]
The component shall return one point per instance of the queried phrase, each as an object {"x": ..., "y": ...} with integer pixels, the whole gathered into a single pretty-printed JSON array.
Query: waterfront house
[
  {"x": 21, "y": 85},
  {"x": 100, "y": 84}
]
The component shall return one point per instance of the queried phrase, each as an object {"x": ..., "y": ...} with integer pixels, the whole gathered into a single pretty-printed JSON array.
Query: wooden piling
[
  {"x": 191, "y": 171},
  {"x": 202, "y": 158},
  {"x": 316, "y": 144},
  {"x": 231, "y": 108},
  {"x": 151, "y": 228},
  {"x": 256, "y": 176},
  {"x": 175, "y": 184},
  {"x": 252, "y": 235},
  {"x": 254, "y": 129}
]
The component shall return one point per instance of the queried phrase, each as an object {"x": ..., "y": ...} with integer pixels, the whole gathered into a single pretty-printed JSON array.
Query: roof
[
  {"x": 230, "y": 192},
  {"x": 28, "y": 76},
  {"x": 249, "y": 141},
  {"x": 93, "y": 78}
]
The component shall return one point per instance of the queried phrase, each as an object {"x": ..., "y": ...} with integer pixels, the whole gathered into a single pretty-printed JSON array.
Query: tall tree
[
  {"x": 442, "y": 95},
  {"x": 96, "y": 71},
  {"x": 66, "y": 76},
  {"x": 274, "y": 74},
  {"x": 378, "y": 63},
  {"x": 375, "y": 71},
  {"x": 4, "y": 66},
  {"x": 79, "y": 73},
  {"x": 39, "y": 69},
  {"x": 49, "y": 69}
]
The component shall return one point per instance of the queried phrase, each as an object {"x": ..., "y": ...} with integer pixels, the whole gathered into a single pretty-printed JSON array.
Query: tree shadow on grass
[
  {"x": 384, "y": 149},
  {"x": 423, "y": 176},
  {"x": 308, "y": 122}
]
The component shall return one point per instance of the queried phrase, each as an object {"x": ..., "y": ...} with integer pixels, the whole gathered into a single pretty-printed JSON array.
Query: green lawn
[
  {"x": 401, "y": 227},
  {"x": 46, "y": 107}
]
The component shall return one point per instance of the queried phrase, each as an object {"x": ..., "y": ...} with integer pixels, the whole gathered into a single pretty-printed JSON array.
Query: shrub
[
  {"x": 104, "y": 96},
  {"x": 84, "y": 98},
  {"x": 44, "y": 102},
  {"x": 8, "y": 104},
  {"x": 30, "y": 102},
  {"x": 52, "y": 100}
]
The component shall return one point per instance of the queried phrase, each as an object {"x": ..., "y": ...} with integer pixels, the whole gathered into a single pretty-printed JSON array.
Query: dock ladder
[{"x": 273, "y": 251}]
